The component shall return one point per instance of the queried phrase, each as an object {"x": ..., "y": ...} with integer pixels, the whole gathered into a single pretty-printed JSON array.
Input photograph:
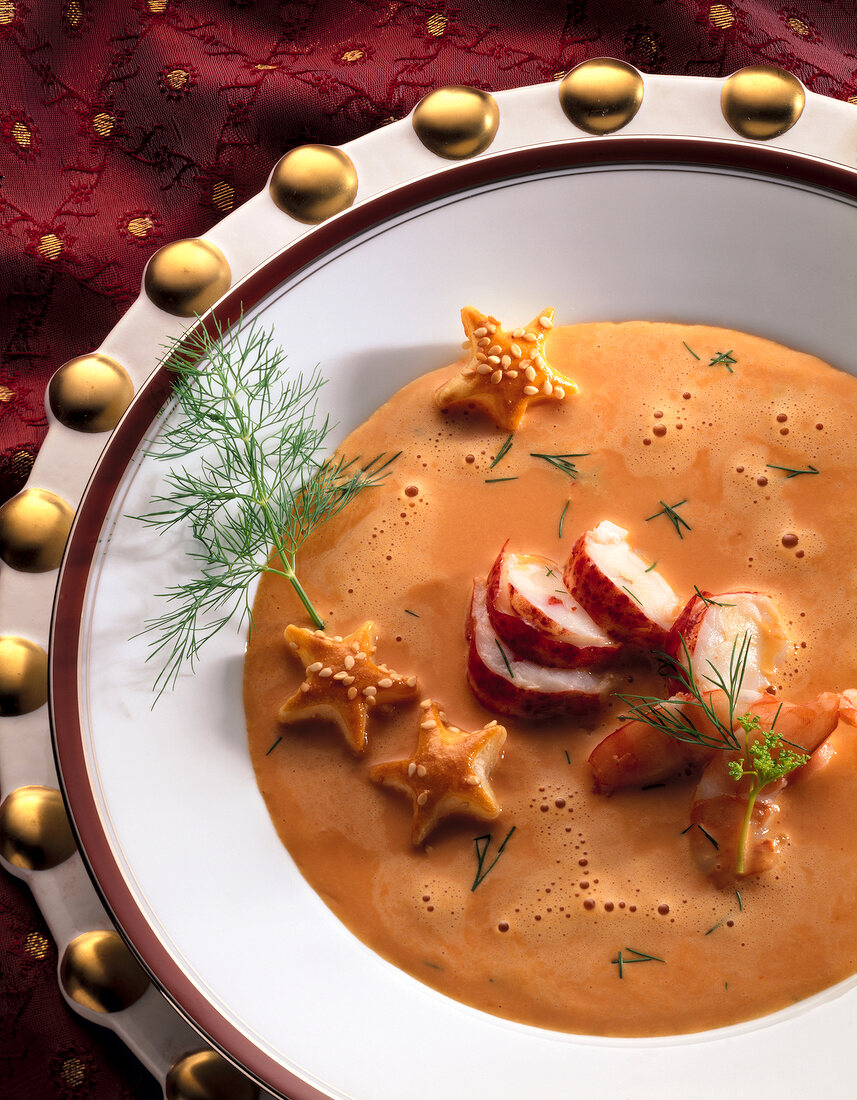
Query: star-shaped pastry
[
  {"x": 342, "y": 683},
  {"x": 448, "y": 774},
  {"x": 507, "y": 371}
]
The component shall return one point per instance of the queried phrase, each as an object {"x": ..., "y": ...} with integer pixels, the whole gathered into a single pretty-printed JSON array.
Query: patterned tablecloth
[{"x": 125, "y": 124}]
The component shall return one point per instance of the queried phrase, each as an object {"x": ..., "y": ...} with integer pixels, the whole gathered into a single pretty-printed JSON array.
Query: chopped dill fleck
[
  {"x": 651, "y": 567},
  {"x": 550, "y": 572},
  {"x": 505, "y": 659},
  {"x": 271, "y": 749},
  {"x": 561, "y": 462},
  {"x": 690, "y": 349},
  {"x": 651, "y": 786},
  {"x": 631, "y": 594},
  {"x": 620, "y": 962},
  {"x": 708, "y": 836},
  {"x": 707, "y": 600},
  {"x": 669, "y": 510},
  {"x": 790, "y": 471},
  {"x": 504, "y": 450},
  {"x": 434, "y": 966},
  {"x": 687, "y": 830},
  {"x": 562, "y": 517},
  {"x": 483, "y": 843},
  {"x": 491, "y": 480},
  {"x": 567, "y": 757},
  {"x": 409, "y": 612},
  {"x": 725, "y": 358},
  {"x": 740, "y": 902},
  {"x": 641, "y": 957},
  {"x": 714, "y": 927}
]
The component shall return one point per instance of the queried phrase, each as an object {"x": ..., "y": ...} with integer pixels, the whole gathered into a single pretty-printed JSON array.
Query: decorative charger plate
[{"x": 612, "y": 196}]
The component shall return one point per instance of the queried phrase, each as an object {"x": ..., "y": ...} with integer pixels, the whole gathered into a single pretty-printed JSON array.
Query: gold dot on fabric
[
  {"x": 223, "y": 195},
  {"x": 156, "y": 6},
  {"x": 352, "y": 55},
  {"x": 436, "y": 24},
  {"x": 720, "y": 16},
  {"x": 21, "y": 134},
  {"x": 7, "y": 12},
  {"x": 6, "y": 394},
  {"x": 37, "y": 945},
  {"x": 49, "y": 246},
  {"x": 102, "y": 124},
  {"x": 264, "y": 68},
  {"x": 798, "y": 26},
  {"x": 73, "y": 1072},
  {"x": 176, "y": 79},
  {"x": 73, "y": 13},
  {"x": 140, "y": 226},
  {"x": 852, "y": 99},
  {"x": 22, "y": 463}
]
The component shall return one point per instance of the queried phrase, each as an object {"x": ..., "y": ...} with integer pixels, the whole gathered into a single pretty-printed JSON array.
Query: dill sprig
[
  {"x": 622, "y": 959},
  {"x": 690, "y": 349},
  {"x": 562, "y": 517},
  {"x": 708, "y": 601},
  {"x": 562, "y": 462},
  {"x": 504, "y": 450},
  {"x": 725, "y": 358},
  {"x": 483, "y": 843},
  {"x": 259, "y": 481},
  {"x": 669, "y": 510},
  {"x": 675, "y": 717},
  {"x": 790, "y": 471},
  {"x": 505, "y": 659}
]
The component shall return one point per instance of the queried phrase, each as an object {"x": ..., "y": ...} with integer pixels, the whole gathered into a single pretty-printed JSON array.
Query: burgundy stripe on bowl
[{"x": 64, "y": 699}]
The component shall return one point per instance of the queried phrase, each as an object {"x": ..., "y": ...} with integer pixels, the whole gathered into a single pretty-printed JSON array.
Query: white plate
[{"x": 709, "y": 229}]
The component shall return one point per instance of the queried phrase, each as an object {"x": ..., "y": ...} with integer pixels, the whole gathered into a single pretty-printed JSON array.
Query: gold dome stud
[
  {"x": 186, "y": 277},
  {"x": 314, "y": 182},
  {"x": 761, "y": 102},
  {"x": 99, "y": 972},
  {"x": 456, "y": 122},
  {"x": 34, "y": 527},
  {"x": 35, "y": 833},
  {"x": 601, "y": 95},
  {"x": 90, "y": 393},
  {"x": 23, "y": 676},
  {"x": 206, "y": 1075}
]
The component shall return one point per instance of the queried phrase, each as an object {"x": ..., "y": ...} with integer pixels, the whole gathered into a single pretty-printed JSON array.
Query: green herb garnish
[
  {"x": 639, "y": 957},
  {"x": 762, "y": 768},
  {"x": 633, "y": 595},
  {"x": 708, "y": 837},
  {"x": 725, "y": 358},
  {"x": 409, "y": 612},
  {"x": 492, "y": 480},
  {"x": 561, "y": 462},
  {"x": 505, "y": 659},
  {"x": 260, "y": 481},
  {"x": 483, "y": 843},
  {"x": 504, "y": 450},
  {"x": 562, "y": 517},
  {"x": 669, "y": 510},
  {"x": 790, "y": 471},
  {"x": 690, "y": 349},
  {"x": 651, "y": 567},
  {"x": 707, "y": 600}
]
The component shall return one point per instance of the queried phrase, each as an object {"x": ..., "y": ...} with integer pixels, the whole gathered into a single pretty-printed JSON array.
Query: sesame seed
[
  {"x": 421, "y": 771},
  {"x": 411, "y": 681},
  {"x": 422, "y": 798},
  {"x": 349, "y": 662},
  {"x": 482, "y": 331},
  {"x": 294, "y": 645},
  {"x": 492, "y": 328},
  {"x": 371, "y": 700},
  {"x": 304, "y": 686},
  {"x": 539, "y": 360},
  {"x": 425, "y": 703},
  {"x": 531, "y": 336},
  {"x": 385, "y": 683},
  {"x": 481, "y": 357},
  {"x": 559, "y": 392},
  {"x": 346, "y": 679},
  {"x": 531, "y": 391},
  {"x": 337, "y": 638},
  {"x": 484, "y": 342},
  {"x": 511, "y": 374},
  {"x": 468, "y": 372},
  {"x": 493, "y": 722},
  {"x": 516, "y": 350},
  {"x": 411, "y": 768},
  {"x": 319, "y": 633},
  {"x": 496, "y": 376},
  {"x": 429, "y": 724},
  {"x": 518, "y": 332},
  {"x": 506, "y": 361},
  {"x": 530, "y": 373},
  {"x": 326, "y": 672},
  {"x": 316, "y": 666},
  {"x": 484, "y": 368},
  {"x": 370, "y": 691},
  {"x": 495, "y": 349},
  {"x": 355, "y": 647},
  {"x": 339, "y": 675},
  {"x": 545, "y": 321},
  {"x": 495, "y": 359},
  {"x": 360, "y": 655},
  {"x": 547, "y": 388},
  {"x": 472, "y": 781},
  {"x": 352, "y": 693}
]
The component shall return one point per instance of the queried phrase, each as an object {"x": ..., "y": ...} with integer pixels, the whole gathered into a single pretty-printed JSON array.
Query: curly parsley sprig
[{"x": 260, "y": 481}]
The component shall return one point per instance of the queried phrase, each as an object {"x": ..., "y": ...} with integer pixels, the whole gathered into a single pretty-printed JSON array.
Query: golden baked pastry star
[
  {"x": 342, "y": 682},
  {"x": 506, "y": 371},
  {"x": 449, "y": 772}
]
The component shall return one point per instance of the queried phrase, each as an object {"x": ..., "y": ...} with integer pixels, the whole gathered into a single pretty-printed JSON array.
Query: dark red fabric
[{"x": 128, "y": 123}]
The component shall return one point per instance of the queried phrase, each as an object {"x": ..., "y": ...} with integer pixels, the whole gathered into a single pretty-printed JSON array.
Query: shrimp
[
  {"x": 638, "y": 754},
  {"x": 720, "y": 803}
]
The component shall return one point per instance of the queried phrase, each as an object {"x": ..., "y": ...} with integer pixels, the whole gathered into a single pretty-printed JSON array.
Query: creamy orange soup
[{"x": 582, "y": 876}]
